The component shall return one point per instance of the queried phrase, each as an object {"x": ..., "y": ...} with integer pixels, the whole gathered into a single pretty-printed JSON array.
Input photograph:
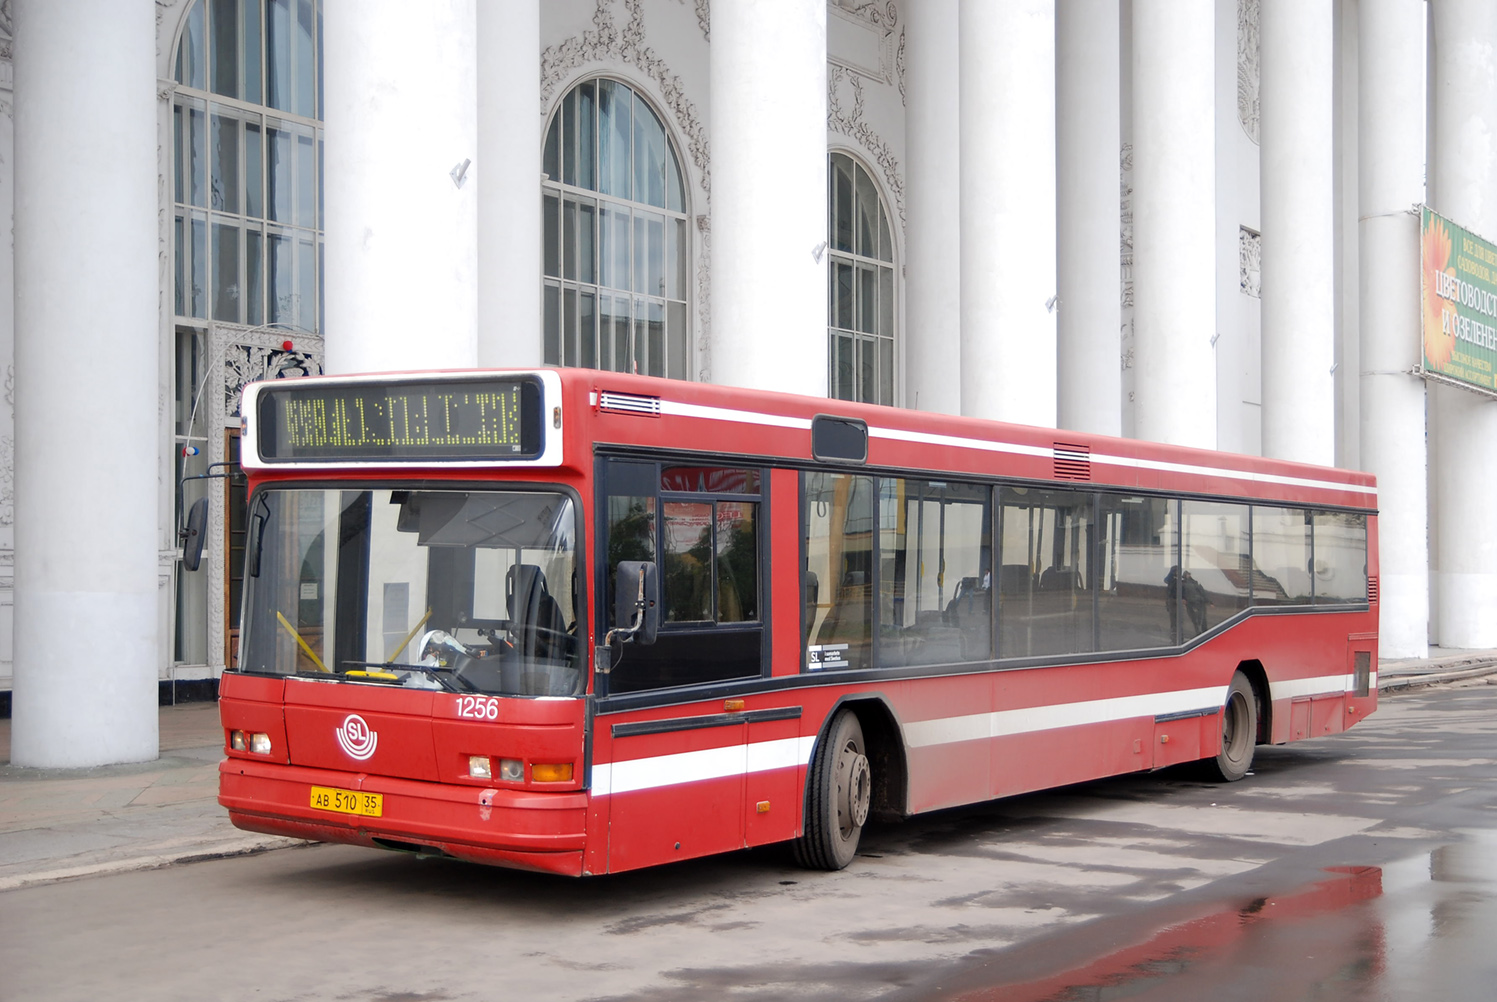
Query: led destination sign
[{"x": 495, "y": 419}]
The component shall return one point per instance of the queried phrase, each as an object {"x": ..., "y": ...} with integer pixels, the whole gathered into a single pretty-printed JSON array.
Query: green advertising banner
[{"x": 1459, "y": 294}]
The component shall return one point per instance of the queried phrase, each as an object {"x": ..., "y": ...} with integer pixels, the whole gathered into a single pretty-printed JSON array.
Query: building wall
[{"x": 662, "y": 48}]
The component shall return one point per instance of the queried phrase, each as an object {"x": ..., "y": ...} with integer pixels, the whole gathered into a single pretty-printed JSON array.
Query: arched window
[
  {"x": 617, "y": 253},
  {"x": 247, "y": 162},
  {"x": 860, "y": 302}
]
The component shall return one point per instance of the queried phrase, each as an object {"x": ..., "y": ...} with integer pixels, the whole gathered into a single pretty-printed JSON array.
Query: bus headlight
[
  {"x": 479, "y": 767},
  {"x": 259, "y": 744},
  {"x": 236, "y": 740},
  {"x": 511, "y": 769}
]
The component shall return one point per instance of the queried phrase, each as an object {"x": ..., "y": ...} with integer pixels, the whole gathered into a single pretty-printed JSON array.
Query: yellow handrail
[
  {"x": 408, "y": 637},
  {"x": 297, "y": 636}
]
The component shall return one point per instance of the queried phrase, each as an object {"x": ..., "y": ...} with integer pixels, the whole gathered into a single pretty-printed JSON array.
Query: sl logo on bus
[{"x": 355, "y": 737}]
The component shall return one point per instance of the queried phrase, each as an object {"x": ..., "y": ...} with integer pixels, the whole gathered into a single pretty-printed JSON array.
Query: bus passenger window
[
  {"x": 935, "y": 584},
  {"x": 1281, "y": 556},
  {"x": 1216, "y": 571},
  {"x": 1045, "y": 606},
  {"x": 1340, "y": 557},
  {"x": 1140, "y": 548},
  {"x": 837, "y": 522}
]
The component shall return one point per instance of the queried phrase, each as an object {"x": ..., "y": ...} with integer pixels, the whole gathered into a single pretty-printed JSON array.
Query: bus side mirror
[
  {"x": 193, "y": 534},
  {"x": 636, "y": 602}
]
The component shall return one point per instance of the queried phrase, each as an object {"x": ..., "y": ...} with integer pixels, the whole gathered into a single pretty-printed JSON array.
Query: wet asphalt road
[{"x": 1362, "y": 866}]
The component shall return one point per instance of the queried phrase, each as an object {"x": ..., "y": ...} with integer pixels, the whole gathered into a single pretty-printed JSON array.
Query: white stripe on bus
[
  {"x": 1031, "y": 719},
  {"x": 1323, "y": 685},
  {"x": 708, "y": 413},
  {"x": 696, "y": 766},
  {"x": 927, "y": 438}
]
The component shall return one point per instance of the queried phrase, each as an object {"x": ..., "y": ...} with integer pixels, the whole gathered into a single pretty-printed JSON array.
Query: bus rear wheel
[
  {"x": 1239, "y": 731},
  {"x": 839, "y": 790}
]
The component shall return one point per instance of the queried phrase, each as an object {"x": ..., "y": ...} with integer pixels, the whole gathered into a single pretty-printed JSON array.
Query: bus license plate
[{"x": 327, "y": 798}]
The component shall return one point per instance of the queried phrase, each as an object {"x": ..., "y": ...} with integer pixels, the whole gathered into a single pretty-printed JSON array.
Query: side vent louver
[
  {"x": 1072, "y": 462},
  {"x": 1372, "y": 590},
  {"x": 629, "y": 403}
]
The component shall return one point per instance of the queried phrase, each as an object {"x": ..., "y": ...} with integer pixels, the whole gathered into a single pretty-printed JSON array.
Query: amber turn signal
[{"x": 560, "y": 772}]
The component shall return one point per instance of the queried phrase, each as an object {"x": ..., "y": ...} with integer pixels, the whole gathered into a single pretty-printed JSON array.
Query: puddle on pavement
[{"x": 1416, "y": 928}]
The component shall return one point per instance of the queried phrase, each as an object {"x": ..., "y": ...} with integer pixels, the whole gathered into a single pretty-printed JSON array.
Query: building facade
[{"x": 1188, "y": 222}]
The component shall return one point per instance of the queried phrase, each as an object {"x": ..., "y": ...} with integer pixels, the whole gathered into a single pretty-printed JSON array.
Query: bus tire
[
  {"x": 839, "y": 789},
  {"x": 1239, "y": 732}
]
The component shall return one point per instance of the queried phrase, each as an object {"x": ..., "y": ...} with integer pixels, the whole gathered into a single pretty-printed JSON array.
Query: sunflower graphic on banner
[{"x": 1458, "y": 272}]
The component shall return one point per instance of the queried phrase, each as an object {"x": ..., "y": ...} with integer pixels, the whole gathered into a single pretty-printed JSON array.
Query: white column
[
  {"x": 508, "y": 170},
  {"x": 1297, "y": 191},
  {"x": 1007, "y": 55},
  {"x": 87, "y": 439},
  {"x": 769, "y": 195},
  {"x": 401, "y": 206},
  {"x": 933, "y": 317},
  {"x": 1463, "y": 179},
  {"x": 1391, "y": 155},
  {"x": 1088, "y": 262},
  {"x": 1174, "y": 221}
]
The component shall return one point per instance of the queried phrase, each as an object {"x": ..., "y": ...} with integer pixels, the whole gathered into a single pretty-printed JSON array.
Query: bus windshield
[{"x": 462, "y": 590}]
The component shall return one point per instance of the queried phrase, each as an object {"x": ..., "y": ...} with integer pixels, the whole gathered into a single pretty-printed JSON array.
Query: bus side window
[
  {"x": 935, "y": 587},
  {"x": 1340, "y": 557},
  {"x": 1215, "y": 564},
  {"x": 1048, "y": 555},
  {"x": 837, "y": 522},
  {"x": 1140, "y": 546}
]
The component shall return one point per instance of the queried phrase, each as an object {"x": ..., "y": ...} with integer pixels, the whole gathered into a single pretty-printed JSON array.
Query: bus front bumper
[{"x": 507, "y": 827}]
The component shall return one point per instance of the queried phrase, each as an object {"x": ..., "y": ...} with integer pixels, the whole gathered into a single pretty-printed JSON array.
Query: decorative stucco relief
[
  {"x": 8, "y": 455},
  {"x": 1250, "y": 262},
  {"x": 252, "y": 355},
  {"x": 1247, "y": 67},
  {"x": 879, "y": 13},
  {"x": 1125, "y": 191},
  {"x": 606, "y": 43},
  {"x": 851, "y": 123},
  {"x": 899, "y": 65},
  {"x": 867, "y": 43},
  {"x": 1125, "y": 240},
  {"x": 704, "y": 299},
  {"x": 704, "y": 19}
]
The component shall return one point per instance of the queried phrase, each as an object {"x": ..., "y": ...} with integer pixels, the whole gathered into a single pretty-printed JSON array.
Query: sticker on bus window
[{"x": 819, "y": 656}]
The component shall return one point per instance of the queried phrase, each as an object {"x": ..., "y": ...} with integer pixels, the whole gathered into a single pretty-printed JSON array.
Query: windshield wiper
[{"x": 448, "y": 681}]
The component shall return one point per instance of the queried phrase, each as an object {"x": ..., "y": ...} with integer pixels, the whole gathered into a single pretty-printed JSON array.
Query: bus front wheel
[
  {"x": 1239, "y": 731},
  {"x": 839, "y": 790}
]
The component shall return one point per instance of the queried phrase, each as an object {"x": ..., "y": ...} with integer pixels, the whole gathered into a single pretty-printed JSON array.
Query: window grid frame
[
  {"x": 878, "y": 342},
  {"x": 571, "y": 349},
  {"x": 187, "y": 213}
]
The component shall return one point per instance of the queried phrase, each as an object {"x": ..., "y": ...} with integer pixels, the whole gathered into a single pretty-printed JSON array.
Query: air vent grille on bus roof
[
  {"x": 1372, "y": 590},
  {"x": 1072, "y": 462},
  {"x": 629, "y": 403}
]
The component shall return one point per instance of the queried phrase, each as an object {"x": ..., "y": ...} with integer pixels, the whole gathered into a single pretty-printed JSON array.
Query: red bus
[{"x": 582, "y": 622}]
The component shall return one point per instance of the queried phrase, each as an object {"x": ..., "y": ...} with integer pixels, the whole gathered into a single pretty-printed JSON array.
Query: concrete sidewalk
[
  {"x": 57, "y": 824},
  {"x": 62, "y": 823}
]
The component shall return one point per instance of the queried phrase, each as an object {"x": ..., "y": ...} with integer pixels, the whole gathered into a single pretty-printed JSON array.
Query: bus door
[{"x": 672, "y": 740}]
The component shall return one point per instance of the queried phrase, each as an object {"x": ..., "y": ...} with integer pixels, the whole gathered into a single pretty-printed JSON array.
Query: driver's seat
[{"x": 536, "y": 624}]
